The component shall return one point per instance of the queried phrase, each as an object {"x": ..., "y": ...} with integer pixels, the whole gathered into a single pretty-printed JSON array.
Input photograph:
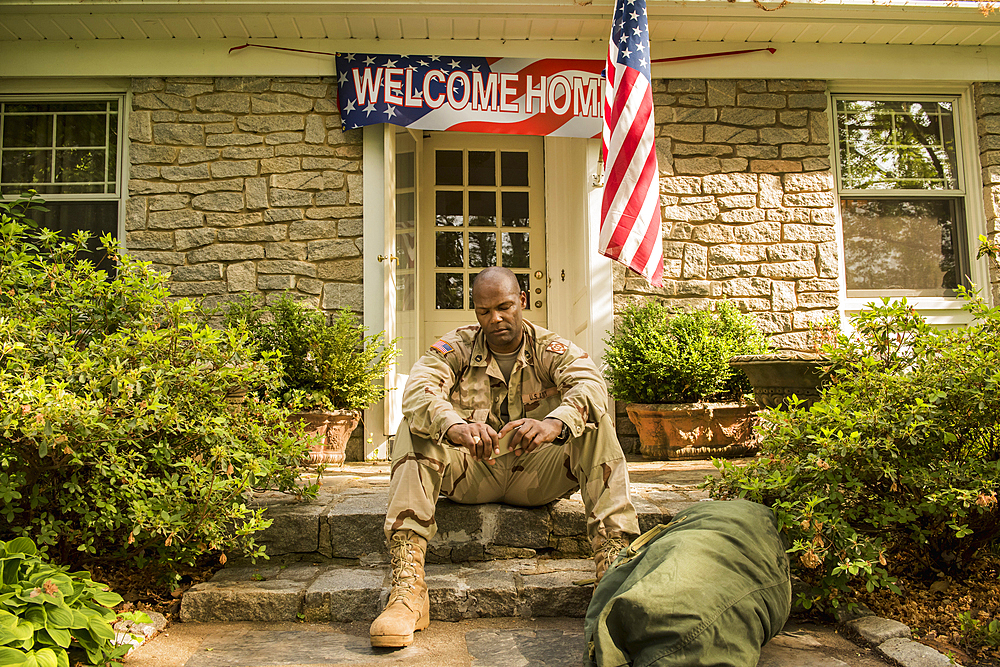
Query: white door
[{"x": 481, "y": 203}]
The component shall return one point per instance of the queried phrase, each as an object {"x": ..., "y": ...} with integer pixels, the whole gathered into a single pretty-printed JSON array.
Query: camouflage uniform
[{"x": 458, "y": 380}]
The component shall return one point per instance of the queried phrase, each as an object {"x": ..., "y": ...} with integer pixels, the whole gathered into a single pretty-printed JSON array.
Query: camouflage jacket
[{"x": 458, "y": 380}]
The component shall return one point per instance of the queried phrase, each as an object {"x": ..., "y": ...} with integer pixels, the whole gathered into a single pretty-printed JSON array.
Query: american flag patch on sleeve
[{"x": 442, "y": 347}]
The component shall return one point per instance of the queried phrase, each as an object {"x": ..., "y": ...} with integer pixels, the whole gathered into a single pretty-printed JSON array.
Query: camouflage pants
[{"x": 594, "y": 463}]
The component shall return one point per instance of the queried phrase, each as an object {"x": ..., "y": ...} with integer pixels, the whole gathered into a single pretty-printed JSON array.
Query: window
[
  {"x": 902, "y": 196},
  {"x": 67, "y": 151}
]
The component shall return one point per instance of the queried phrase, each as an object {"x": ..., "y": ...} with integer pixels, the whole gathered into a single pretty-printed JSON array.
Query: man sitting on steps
[{"x": 475, "y": 386}]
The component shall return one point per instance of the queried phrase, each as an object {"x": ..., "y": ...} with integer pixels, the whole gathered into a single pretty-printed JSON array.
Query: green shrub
[
  {"x": 328, "y": 367},
  {"x": 900, "y": 458},
  {"x": 50, "y": 617},
  {"x": 116, "y": 438},
  {"x": 657, "y": 357}
]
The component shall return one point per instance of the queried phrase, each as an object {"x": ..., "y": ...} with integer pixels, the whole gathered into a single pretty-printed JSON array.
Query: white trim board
[{"x": 124, "y": 58}]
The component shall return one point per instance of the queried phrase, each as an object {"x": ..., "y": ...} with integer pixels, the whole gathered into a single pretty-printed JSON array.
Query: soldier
[{"x": 474, "y": 387}]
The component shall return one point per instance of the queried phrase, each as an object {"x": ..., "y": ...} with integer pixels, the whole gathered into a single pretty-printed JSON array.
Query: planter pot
[
  {"x": 694, "y": 430},
  {"x": 775, "y": 377},
  {"x": 334, "y": 430}
]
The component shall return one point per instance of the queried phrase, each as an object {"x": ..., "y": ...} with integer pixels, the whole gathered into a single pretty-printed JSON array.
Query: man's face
[{"x": 498, "y": 309}]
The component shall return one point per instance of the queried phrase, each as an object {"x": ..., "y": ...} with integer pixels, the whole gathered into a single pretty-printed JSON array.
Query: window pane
[
  {"x": 404, "y": 170},
  {"x": 29, "y": 131},
  {"x": 482, "y": 249},
  {"x": 482, "y": 209},
  {"x": 482, "y": 168},
  {"x": 80, "y": 166},
  {"x": 515, "y": 250},
  {"x": 895, "y": 244},
  {"x": 448, "y": 167},
  {"x": 99, "y": 217},
  {"x": 449, "y": 291},
  {"x": 25, "y": 167},
  {"x": 58, "y": 107},
  {"x": 448, "y": 250},
  {"x": 448, "y": 209},
  {"x": 513, "y": 168},
  {"x": 896, "y": 145},
  {"x": 515, "y": 209},
  {"x": 78, "y": 130}
]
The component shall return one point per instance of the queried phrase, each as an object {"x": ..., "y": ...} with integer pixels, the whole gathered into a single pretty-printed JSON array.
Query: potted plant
[
  {"x": 330, "y": 372},
  {"x": 778, "y": 376},
  {"x": 673, "y": 371}
]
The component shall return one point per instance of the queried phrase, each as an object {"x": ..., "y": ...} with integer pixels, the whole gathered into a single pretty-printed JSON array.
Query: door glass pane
[
  {"x": 449, "y": 249},
  {"x": 898, "y": 244},
  {"x": 448, "y": 167},
  {"x": 515, "y": 209},
  {"x": 448, "y": 208},
  {"x": 449, "y": 291},
  {"x": 482, "y": 209},
  {"x": 482, "y": 168},
  {"x": 513, "y": 168},
  {"x": 482, "y": 249},
  {"x": 404, "y": 170},
  {"x": 515, "y": 250}
]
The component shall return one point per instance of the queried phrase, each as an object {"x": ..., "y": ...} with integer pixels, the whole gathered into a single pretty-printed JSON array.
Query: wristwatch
[{"x": 563, "y": 434}]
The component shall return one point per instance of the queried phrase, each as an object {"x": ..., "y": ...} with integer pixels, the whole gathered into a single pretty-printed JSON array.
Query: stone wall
[
  {"x": 246, "y": 184},
  {"x": 748, "y": 205},
  {"x": 987, "y": 97}
]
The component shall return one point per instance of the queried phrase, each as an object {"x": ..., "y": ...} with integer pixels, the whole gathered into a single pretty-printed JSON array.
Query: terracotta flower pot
[
  {"x": 775, "y": 377},
  {"x": 694, "y": 430},
  {"x": 334, "y": 430}
]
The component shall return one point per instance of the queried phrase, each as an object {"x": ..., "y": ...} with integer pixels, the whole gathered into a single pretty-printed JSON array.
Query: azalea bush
[
  {"x": 899, "y": 460},
  {"x": 117, "y": 441}
]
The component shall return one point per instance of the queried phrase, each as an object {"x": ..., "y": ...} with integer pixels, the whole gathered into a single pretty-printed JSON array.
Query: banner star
[
  {"x": 369, "y": 109},
  {"x": 350, "y": 106},
  {"x": 370, "y": 60}
]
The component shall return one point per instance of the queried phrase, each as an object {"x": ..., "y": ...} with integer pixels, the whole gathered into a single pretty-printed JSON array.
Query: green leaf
[
  {"x": 102, "y": 630},
  {"x": 46, "y": 658},
  {"x": 21, "y": 545},
  {"x": 107, "y": 598},
  {"x": 11, "y": 657},
  {"x": 59, "y": 617}
]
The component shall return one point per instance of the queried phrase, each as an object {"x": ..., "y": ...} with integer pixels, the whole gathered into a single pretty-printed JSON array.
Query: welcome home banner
[{"x": 548, "y": 96}]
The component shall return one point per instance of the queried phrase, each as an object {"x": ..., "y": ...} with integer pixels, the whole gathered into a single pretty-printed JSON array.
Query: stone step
[
  {"x": 341, "y": 592},
  {"x": 345, "y": 521}
]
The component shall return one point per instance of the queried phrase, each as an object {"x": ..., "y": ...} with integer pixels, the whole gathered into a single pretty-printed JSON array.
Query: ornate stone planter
[
  {"x": 694, "y": 430},
  {"x": 775, "y": 377},
  {"x": 334, "y": 430}
]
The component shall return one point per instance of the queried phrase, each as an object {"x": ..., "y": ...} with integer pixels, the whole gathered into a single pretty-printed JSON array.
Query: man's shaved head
[{"x": 499, "y": 278}]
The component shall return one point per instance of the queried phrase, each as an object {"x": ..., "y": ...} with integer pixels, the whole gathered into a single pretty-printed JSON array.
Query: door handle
[{"x": 383, "y": 258}]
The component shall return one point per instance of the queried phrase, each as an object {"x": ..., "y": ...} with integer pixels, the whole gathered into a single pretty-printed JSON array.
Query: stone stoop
[
  {"x": 526, "y": 587},
  {"x": 328, "y": 560}
]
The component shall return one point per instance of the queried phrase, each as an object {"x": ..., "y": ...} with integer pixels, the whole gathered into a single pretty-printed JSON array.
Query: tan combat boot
[
  {"x": 606, "y": 551},
  {"x": 408, "y": 608}
]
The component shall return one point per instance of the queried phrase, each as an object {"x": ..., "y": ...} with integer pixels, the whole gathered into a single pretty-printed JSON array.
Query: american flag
[{"x": 630, "y": 209}]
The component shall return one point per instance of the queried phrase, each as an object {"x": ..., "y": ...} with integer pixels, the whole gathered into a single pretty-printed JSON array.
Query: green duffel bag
[{"x": 709, "y": 589}]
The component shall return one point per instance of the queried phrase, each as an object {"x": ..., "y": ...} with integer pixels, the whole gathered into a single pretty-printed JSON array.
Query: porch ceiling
[{"x": 931, "y": 22}]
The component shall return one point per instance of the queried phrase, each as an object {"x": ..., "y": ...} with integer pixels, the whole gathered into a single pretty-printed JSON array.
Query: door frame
[{"x": 572, "y": 175}]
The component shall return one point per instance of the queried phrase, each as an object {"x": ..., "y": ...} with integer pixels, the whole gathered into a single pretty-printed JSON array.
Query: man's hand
[
  {"x": 530, "y": 434},
  {"x": 480, "y": 439}
]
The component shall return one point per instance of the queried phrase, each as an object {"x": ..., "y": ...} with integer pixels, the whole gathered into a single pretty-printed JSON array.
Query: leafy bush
[
  {"x": 116, "y": 438},
  {"x": 50, "y": 617},
  {"x": 899, "y": 459},
  {"x": 328, "y": 367},
  {"x": 657, "y": 357}
]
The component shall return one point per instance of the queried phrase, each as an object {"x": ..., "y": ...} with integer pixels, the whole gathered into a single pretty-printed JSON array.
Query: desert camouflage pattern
[{"x": 458, "y": 380}]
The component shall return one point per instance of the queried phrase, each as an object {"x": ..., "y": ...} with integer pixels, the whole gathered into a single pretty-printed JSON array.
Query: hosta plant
[{"x": 50, "y": 617}]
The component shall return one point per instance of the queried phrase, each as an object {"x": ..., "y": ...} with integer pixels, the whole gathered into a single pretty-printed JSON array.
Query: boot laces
[
  {"x": 610, "y": 549},
  {"x": 404, "y": 572}
]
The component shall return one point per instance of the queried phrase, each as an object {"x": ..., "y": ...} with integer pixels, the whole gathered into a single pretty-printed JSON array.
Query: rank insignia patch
[
  {"x": 557, "y": 347},
  {"x": 442, "y": 347}
]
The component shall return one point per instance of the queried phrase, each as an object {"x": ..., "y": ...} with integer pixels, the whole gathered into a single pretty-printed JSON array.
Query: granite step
[
  {"x": 343, "y": 592},
  {"x": 345, "y": 521}
]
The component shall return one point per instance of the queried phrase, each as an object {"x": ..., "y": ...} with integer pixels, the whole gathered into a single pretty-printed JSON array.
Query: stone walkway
[{"x": 501, "y": 583}]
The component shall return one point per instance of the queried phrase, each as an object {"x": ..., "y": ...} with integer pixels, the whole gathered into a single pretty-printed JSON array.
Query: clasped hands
[{"x": 484, "y": 443}]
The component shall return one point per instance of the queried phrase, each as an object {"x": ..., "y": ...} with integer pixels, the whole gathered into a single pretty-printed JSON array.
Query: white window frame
[
  {"x": 938, "y": 310},
  {"x": 122, "y": 154}
]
